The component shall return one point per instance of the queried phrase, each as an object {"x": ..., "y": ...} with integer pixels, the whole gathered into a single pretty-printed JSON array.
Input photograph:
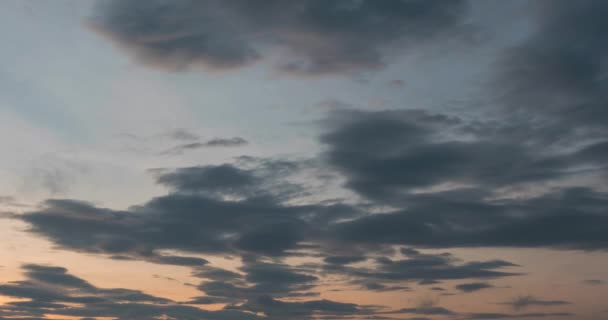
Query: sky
[{"x": 310, "y": 159}]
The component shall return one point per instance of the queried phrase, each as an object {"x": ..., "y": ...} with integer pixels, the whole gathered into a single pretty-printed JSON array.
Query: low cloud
[
  {"x": 51, "y": 290},
  {"x": 523, "y": 302},
  {"x": 472, "y": 287}
]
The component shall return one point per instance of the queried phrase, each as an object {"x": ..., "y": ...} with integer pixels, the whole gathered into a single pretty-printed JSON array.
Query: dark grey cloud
[
  {"x": 257, "y": 279},
  {"x": 431, "y": 267},
  {"x": 474, "y": 286},
  {"x": 259, "y": 284},
  {"x": 424, "y": 180},
  {"x": 226, "y": 142},
  {"x": 388, "y": 157},
  {"x": 593, "y": 282},
  {"x": 533, "y": 315},
  {"x": 276, "y": 309},
  {"x": 423, "y": 311},
  {"x": 244, "y": 209},
  {"x": 276, "y": 277},
  {"x": 523, "y": 302},
  {"x": 252, "y": 209},
  {"x": 224, "y": 179},
  {"x": 175, "y": 260},
  {"x": 312, "y": 36},
  {"x": 555, "y": 78},
  {"x": 215, "y": 142},
  {"x": 211, "y": 209},
  {"x": 570, "y": 218},
  {"x": 423, "y": 306},
  {"x": 54, "y": 275},
  {"x": 205, "y": 300},
  {"x": 193, "y": 223},
  {"x": 388, "y": 274},
  {"x": 51, "y": 290},
  {"x": 382, "y": 154},
  {"x": 255, "y": 288},
  {"x": 379, "y": 287},
  {"x": 251, "y": 178},
  {"x": 217, "y": 274}
]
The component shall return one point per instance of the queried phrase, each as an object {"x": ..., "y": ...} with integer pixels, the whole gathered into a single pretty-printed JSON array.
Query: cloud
[
  {"x": 217, "y": 274},
  {"x": 225, "y": 179},
  {"x": 276, "y": 309},
  {"x": 175, "y": 260},
  {"x": 386, "y": 157},
  {"x": 422, "y": 181},
  {"x": 427, "y": 282},
  {"x": 379, "y": 287},
  {"x": 383, "y": 154},
  {"x": 182, "y": 135},
  {"x": 251, "y": 178},
  {"x": 425, "y": 305},
  {"x": 312, "y": 36},
  {"x": 51, "y": 290},
  {"x": 54, "y": 175},
  {"x": 10, "y": 201},
  {"x": 211, "y": 210},
  {"x": 472, "y": 287},
  {"x": 169, "y": 222},
  {"x": 190, "y": 221},
  {"x": 226, "y": 142},
  {"x": 423, "y": 311},
  {"x": 259, "y": 284},
  {"x": 570, "y": 218},
  {"x": 447, "y": 184},
  {"x": 427, "y": 267},
  {"x": 276, "y": 277},
  {"x": 535, "y": 315},
  {"x": 593, "y": 282},
  {"x": 216, "y": 142},
  {"x": 523, "y": 302},
  {"x": 556, "y": 76},
  {"x": 384, "y": 274}
]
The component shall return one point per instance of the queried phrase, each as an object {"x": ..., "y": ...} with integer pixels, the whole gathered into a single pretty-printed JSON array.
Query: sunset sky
[{"x": 304, "y": 159}]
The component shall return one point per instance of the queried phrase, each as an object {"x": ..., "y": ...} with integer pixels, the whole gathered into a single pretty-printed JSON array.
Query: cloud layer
[
  {"x": 386, "y": 198},
  {"x": 311, "y": 37}
]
